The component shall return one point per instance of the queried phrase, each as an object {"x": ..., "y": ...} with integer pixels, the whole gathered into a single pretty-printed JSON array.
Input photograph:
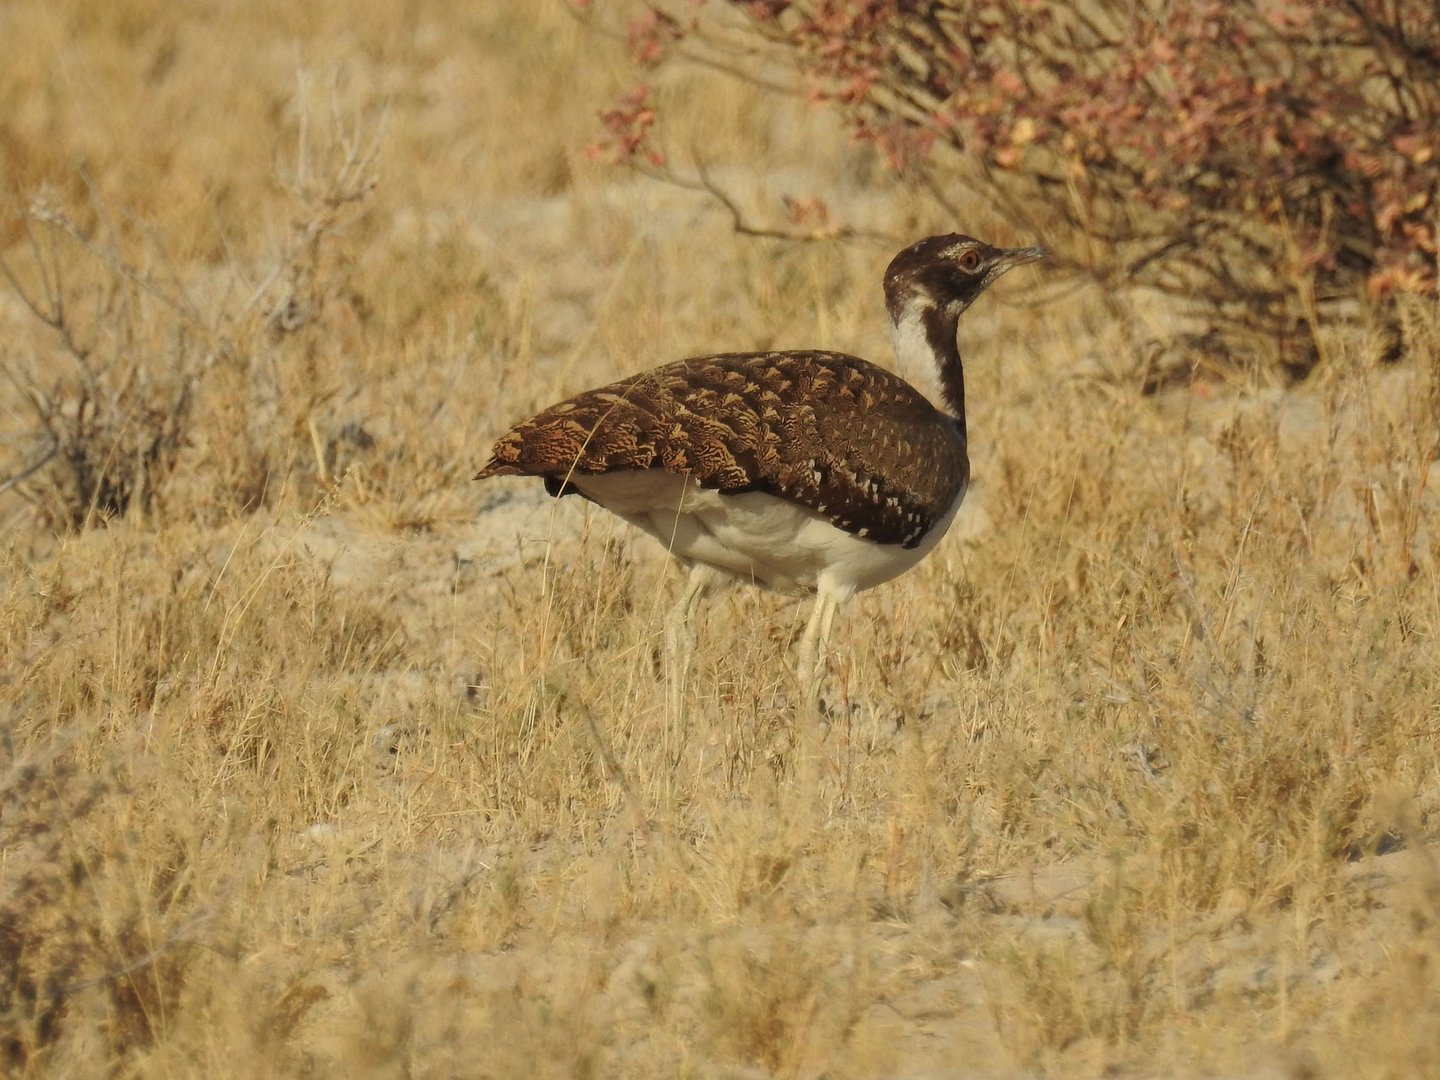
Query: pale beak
[{"x": 1021, "y": 256}]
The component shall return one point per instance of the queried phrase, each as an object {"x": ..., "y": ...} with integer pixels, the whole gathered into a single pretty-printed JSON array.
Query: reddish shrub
[{"x": 1259, "y": 155}]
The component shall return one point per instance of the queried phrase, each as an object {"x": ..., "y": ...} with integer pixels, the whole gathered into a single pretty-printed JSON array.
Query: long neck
[{"x": 924, "y": 338}]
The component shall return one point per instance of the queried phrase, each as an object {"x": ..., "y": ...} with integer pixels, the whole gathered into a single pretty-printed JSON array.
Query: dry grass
[{"x": 319, "y": 760}]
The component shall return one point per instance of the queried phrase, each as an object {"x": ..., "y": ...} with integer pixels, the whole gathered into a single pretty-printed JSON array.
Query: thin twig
[{"x": 27, "y": 471}]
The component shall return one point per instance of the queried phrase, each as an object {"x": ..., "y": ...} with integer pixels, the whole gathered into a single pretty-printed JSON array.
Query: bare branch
[{"x": 37, "y": 462}]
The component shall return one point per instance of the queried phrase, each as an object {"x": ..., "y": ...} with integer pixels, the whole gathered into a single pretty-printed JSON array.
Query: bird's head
[{"x": 947, "y": 273}]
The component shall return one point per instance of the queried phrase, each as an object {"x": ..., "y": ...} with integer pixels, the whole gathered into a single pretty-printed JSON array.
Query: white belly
[{"x": 755, "y": 536}]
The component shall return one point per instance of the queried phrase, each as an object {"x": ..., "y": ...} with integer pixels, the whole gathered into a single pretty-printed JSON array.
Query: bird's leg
[
  {"x": 811, "y": 653},
  {"x": 680, "y": 637}
]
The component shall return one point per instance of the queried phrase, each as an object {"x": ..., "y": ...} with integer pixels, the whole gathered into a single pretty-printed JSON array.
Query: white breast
[{"x": 755, "y": 536}]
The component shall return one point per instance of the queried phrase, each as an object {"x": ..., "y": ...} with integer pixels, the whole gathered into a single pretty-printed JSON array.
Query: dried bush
[
  {"x": 1261, "y": 158},
  {"x": 109, "y": 406},
  {"x": 133, "y": 371}
]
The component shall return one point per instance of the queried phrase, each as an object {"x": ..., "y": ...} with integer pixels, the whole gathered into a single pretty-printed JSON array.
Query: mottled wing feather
[{"x": 849, "y": 440}]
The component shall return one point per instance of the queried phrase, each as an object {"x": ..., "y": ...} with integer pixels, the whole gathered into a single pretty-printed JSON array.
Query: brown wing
[{"x": 832, "y": 432}]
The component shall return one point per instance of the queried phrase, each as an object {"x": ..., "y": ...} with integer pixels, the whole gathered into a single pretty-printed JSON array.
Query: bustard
[{"x": 803, "y": 471}]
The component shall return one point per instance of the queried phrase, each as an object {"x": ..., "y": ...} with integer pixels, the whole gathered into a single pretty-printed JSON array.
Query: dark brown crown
[{"x": 949, "y": 271}]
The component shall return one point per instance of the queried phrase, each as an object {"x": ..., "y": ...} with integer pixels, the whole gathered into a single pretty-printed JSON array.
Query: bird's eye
[{"x": 969, "y": 261}]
